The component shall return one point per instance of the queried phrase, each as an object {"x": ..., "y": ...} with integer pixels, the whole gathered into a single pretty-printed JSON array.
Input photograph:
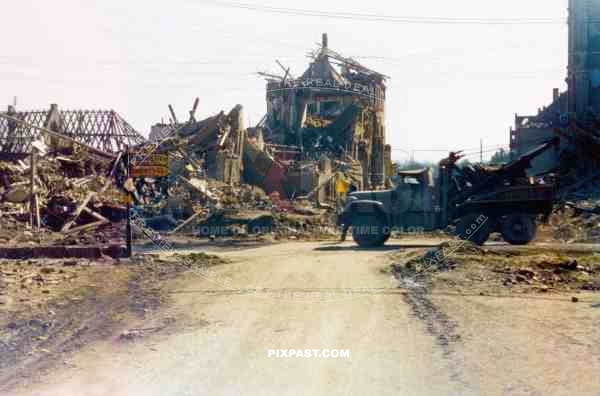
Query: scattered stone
[
  {"x": 521, "y": 278},
  {"x": 574, "y": 299},
  {"x": 129, "y": 335},
  {"x": 570, "y": 265},
  {"x": 526, "y": 272}
]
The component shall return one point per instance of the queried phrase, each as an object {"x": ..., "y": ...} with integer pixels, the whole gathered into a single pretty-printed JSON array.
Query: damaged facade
[
  {"x": 335, "y": 108},
  {"x": 573, "y": 115},
  {"x": 213, "y": 146}
]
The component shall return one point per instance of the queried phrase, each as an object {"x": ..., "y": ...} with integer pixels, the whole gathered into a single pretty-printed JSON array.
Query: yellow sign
[
  {"x": 341, "y": 186},
  {"x": 149, "y": 171},
  {"x": 149, "y": 165}
]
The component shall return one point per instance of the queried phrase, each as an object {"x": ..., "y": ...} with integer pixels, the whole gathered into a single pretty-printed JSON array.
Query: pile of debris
[
  {"x": 221, "y": 179},
  {"x": 63, "y": 189},
  {"x": 576, "y": 222},
  {"x": 212, "y": 148},
  {"x": 467, "y": 268}
]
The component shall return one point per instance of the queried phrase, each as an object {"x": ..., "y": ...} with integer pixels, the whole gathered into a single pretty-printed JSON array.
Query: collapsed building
[
  {"x": 64, "y": 173},
  {"x": 214, "y": 146},
  {"x": 57, "y": 180},
  {"x": 574, "y": 115},
  {"x": 335, "y": 109},
  {"x": 331, "y": 119}
]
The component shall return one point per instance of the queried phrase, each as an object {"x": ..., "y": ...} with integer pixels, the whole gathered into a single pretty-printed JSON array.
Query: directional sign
[{"x": 149, "y": 165}]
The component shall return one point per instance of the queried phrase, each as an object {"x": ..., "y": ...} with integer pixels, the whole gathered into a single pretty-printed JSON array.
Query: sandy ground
[{"x": 325, "y": 296}]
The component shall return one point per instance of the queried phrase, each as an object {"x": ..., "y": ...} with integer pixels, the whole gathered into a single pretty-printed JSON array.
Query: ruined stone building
[
  {"x": 573, "y": 115},
  {"x": 335, "y": 108},
  {"x": 214, "y": 145}
]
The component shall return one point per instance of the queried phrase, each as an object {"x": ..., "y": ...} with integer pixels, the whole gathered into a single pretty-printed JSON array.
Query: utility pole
[{"x": 481, "y": 150}]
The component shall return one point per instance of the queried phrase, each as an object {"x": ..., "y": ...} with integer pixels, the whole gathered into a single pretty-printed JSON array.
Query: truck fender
[{"x": 364, "y": 207}]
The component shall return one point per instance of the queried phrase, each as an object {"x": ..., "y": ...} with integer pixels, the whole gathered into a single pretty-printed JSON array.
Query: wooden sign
[{"x": 149, "y": 165}]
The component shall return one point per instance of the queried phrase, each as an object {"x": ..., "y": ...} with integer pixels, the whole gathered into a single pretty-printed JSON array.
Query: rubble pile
[
  {"x": 61, "y": 185},
  {"x": 206, "y": 207},
  {"x": 465, "y": 267},
  {"x": 221, "y": 179},
  {"x": 576, "y": 222},
  {"x": 212, "y": 147}
]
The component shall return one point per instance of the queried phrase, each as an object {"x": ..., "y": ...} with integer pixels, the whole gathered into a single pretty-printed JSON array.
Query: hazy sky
[{"x": 451, "y": 84}]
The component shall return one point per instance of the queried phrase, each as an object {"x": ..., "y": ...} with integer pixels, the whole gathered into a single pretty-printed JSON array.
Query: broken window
[{"x": 329, "y": 107}]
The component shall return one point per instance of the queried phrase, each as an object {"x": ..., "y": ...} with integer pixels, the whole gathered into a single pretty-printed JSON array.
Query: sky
[{"x": 451, "y": 84}]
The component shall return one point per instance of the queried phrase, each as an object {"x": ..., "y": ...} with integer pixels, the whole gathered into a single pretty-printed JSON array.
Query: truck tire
[
  {"x": 518, "y": 229},
  {"x": 474, "y": 228},
  {"x": 370, "y": 230}
]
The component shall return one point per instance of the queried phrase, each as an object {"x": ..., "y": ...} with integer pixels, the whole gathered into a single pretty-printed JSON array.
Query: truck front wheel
[
  {"x": 518, "y": 229},
  {"x": 370, "y": 230}
]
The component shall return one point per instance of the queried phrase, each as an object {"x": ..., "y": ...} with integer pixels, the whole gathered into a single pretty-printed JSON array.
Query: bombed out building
[
  {"x": 336, "y": 108},
  {"x": 574, "y": 115}
]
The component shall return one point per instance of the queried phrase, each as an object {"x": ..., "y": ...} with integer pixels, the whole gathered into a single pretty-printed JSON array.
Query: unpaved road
[{"x": 267, "y": 298}]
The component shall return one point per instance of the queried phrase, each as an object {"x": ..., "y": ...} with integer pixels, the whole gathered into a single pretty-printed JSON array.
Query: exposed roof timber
[
  {"x": 344, "y": 61},
  {"x": 104, "y": 130},
  {"x": 274, "y": 77}
]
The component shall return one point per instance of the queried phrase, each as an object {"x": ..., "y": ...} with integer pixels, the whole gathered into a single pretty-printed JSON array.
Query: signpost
[
  {"x": 142, "y": 163},
  {"x": 128, "y": 234}
]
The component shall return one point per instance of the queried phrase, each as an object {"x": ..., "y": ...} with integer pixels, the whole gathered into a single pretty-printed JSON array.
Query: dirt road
[{"x": 318, "y": 296}]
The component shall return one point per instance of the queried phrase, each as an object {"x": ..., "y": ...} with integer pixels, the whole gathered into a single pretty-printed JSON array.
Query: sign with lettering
[{"x": 148, "y": 165}]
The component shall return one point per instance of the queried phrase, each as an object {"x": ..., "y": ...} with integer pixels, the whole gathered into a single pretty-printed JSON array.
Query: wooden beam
[
  {"x": 173, "y": 114},
  {"x": 194, "y": 109},
  {"x": 95, "y": 215},
  {"x": 90, "y": 195},
  {"x": 186, "y": 222},
  {"x": 34, "y": 207},
  {"x": 87, "y": 226}
]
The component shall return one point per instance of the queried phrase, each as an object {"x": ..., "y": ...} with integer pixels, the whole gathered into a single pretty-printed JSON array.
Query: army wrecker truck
[{"x": 477, "y": 200}]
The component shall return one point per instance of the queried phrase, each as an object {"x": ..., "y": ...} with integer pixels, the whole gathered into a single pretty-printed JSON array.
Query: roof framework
[{"x": 105, "y": 130}]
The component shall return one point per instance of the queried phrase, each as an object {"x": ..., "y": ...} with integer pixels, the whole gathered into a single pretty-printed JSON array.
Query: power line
[
  {"x": 474, "y": 149},
  {"x": 387, "y": 18}
]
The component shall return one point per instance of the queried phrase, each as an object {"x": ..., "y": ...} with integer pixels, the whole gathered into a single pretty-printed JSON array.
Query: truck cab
[{"x": 412, "y": 204}]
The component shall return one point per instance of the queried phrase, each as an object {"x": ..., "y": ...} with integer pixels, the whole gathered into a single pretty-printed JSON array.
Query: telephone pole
[{"x": 481, "y": 150}]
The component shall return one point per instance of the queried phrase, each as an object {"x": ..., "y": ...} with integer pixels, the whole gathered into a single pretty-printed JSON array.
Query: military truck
[{"x": 475, "y": 199}]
